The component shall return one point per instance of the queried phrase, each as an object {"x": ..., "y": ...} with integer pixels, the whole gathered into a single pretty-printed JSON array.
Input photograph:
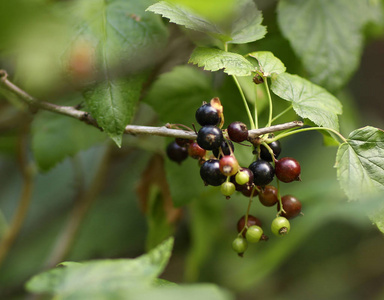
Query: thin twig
[
  {"x": 22, "y": 208},
  {"x": 73, "y": 112}
]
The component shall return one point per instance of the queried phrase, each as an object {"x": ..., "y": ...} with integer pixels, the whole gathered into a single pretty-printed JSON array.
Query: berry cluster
[{"x": 214, "y": 150}]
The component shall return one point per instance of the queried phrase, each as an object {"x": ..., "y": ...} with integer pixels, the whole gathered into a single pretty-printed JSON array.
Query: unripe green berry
[
  {"x": 242, "y": 177},
  {"x": 239, "y": 245},
  {"x": 254, "y": 233},
  {"x": 280, "y": 226},
  {"x": 227, "y": 188}
]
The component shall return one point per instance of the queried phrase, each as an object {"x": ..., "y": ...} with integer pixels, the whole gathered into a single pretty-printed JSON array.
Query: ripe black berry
[
  {"x": 209, "y": 137},
  {"x": 291, "y": 206},
  {"x": 268, "y": 196},
  {"x": 276, "y": 148},
  {"x": 287, "y": 169},
  {"x": 263, "y": 172},
  {"x": 237, "y": 132},
  {"x": 207, "y": 115},
  {"x": 226, "y": 147},
  {"x": 211, "y": 174},
  {"x": 176, "y": 153}
]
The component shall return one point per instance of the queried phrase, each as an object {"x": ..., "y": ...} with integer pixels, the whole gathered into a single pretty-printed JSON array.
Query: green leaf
[
  {"x": 308, "y": 100},
  {"x": 112, "y": 103},
  {"x": 268, "y": 63},
  {"x": 181, "y": 90},
  {"x": 327, "y": 36},
  {"x": 360, "y": 164},
  {"x": 182, "y": 15},
  {"x": 243, "y": 26},
  {"x": 214, "y": 59},
  {"x": 247, "y": 28},
  {"x": 123, "y": 37},
  {"x": 104, "y": 277},
  {"x": 56, "y": 137}
]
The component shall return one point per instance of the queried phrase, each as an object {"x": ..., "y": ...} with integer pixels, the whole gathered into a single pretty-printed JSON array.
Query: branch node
[{"x": 3, "y": 75}]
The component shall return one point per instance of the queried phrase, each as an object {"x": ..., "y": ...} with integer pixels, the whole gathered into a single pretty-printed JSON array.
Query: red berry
[
  {"x": 287, "y": 169},
  {"x": 291, "y": 206},
  {"x": 229, "y": 165},
  {"x": 195, "y": 151},
  {"x": 268, "y": 196}
]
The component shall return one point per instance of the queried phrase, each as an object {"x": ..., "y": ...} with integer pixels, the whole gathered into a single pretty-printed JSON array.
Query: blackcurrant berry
[
  {"x": 239, "y": 245},
  {"x": 291, "y": 206},
  {"x": 226, "y": 147},
  {"x": 268, "y": 196},
  {"x": 176, "y": 153},
  {"x": 254, "y": 234},
  {"x": 249, "y": 191},
  {"x": 211, "y": 174},
  {"x": 183, "y": 142},
  {"x": 227, "y": 188},
  {"x": 195, "y": 151},
  {"x": 280, "y": 226},
  {"x": 242, "y": 177},
  {"x": 287, "y": 169},
  {"x": 207, "y": 115},
  {"x": 209, "y": 137},
  {"x": 276, "y": 149},
  {"x": 252, "y": 220},
  {"x": 237, "y": 131},
  {"x": 263, "y": 172},
  {"x": 229, "y": 165}
]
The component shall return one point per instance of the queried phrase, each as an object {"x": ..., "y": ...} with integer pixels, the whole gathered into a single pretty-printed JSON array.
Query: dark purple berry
[
  {"x": 207, "y": 115},
  {"x": 176, "y": 153},
  {"x": 209, "y": 137},
  {"x": 291, "y": 206},
  {"x": 237, "y": 132},
  {"x": 287, "y": 169},
  {"x": 263, "y": 172},
  {"x": 211, "y": 174},
  {"x": 225, "y": 144},
  {"x": 276, "y": 148},
  {"x": 251, "y": 221}
]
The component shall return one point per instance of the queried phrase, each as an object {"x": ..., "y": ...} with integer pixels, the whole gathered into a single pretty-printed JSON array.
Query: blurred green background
[{"x": 109, "y": 202}]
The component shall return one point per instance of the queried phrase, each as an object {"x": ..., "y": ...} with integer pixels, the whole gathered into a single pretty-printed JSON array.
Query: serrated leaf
[
  {"x": 181, "y": 15},
  {"x": 244, "y": 26},
  {"x": 103, "y": 278},
  {"x": 112, "y": 103},
  {"x": 308, "y": 100},
  {"x": 247, "y": 28},
  {"x": 123, "y": 37},
  {"x": 328, "y": 42},
  {"x": 214, "y": 59},
  {"x": 56, "y": 137},
  {"x": 268, "y": 63},
  {"x": 360, "y": 164}
]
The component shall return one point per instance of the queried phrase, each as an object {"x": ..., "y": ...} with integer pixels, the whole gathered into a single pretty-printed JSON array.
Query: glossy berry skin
[
  {"x": 227, "y": 188},
  {"x": 229, "y": 165},
  {"x": 263, "y": 172},
  {"x": 239, "y": 245},
  {"x": 237, "y": 132},
  {"x": 268, "y": 196},
  {"x": 252, "y": 220},
  {"x": 209, "y": 137},
  {"x": 211, "y": 174},
  {"x": 207, "y": 115},
  {"x": 287, "y": 169},
  {"x": 242, "y": 177},
  {"x": 291, "y": 206},
  {"x": 276, "y": 148},
  {"x": 195, "y": 151},
  {"x": 226, "y": 147},
  {"x": 176, "y": 153},
  {"x": 280, "y": 226},
  {"x": 254, "y": 234},
  {"x": 249, "y": 191}
]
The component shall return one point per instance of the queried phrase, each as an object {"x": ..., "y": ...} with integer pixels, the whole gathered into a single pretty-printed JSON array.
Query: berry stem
[
  {"x": 281, "y": 210},
  {"x": 269, "y": 99},
  {"x": 282, "y": 113},
  {"x": 282, "y": 135},
  {"x": 255, "y": 108},
  {"x": 253, "y": 126}
]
